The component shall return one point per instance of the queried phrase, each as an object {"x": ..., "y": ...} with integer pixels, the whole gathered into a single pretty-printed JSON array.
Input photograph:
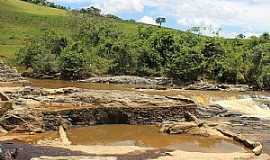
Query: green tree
[
  {"x": 123, "y": 60},
  {"x": 213, "y": 54},
  {"x": 160, "y": 20},
  {"x": 49, "y": 45},
  {"x": 255, "y": 73},
  {"x": 265, "y": 37},
  {"x": 241, "y": 36},
  {"x": 164, "y": 44},
  {"x": 72, "y": 63},
  {"x": 186, "y": 66},
  {"x": 91, "y": 10},
  {"x": 149, "y": 62}
]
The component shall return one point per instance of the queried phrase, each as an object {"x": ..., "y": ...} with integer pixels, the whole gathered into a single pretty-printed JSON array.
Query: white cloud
[
  {"x": 147, "y": 20},
  {"x": 245, "y": 15},
  {"x": 118, "y": 6}
]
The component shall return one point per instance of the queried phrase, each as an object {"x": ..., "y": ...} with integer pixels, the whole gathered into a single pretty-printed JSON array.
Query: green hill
[
  {"x": 78, "y": 44},
  {"x": 20, "y": 21}
]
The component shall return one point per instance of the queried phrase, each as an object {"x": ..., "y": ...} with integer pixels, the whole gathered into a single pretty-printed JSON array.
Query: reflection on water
[{"x": 148, "y": 136}]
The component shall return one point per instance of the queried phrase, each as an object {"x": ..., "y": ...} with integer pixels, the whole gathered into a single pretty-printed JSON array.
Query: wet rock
[
  {"x": 5, "y": 104},
  {"x": 191, "y": 118},
  {"x": 189, "y": 128},
  {"x": 8, "y": 74},
  {"x": 256, "y": 147},
  {"x": 23, "y": 121},
  {"x": 128, "y": 80},
  {"x": 181, "y": 98},
  {"x": 114, "y": 115},
  {"x": 5, "y": 107},
  {"x": 3, "y": 130},
  {"x": 192, "y": 126},
  {"x": 226, "y": 132},
  {"x": 3, "y": 97},
  {"x": 217, "y": 87},
  {"x": 63, "y": 136},
  {"x": 203, "y": 86},
  {"x": 181, "y": 128},
  {"x": 62, "y": 91},
  {"x": 211, "y": 111}
]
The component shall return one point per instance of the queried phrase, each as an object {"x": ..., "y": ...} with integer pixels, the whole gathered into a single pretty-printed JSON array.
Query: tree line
[
  {"x": 101, "y": 47},
  {"x": 45, "y": 3}
]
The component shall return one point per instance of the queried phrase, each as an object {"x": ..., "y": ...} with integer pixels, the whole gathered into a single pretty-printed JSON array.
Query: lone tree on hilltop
[{"x": 160, "y": 20}]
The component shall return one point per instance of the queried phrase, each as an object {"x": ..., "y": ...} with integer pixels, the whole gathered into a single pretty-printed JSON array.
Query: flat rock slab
[
  {"x": 128, "y": 80},
  {"x": 83, "y": 97},
  {"x": 212, "y": 156}
]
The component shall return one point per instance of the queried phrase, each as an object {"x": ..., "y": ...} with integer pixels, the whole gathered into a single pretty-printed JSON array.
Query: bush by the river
[{"x": 98, "y": 47}]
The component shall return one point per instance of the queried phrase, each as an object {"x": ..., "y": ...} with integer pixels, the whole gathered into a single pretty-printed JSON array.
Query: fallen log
[{"x": 63, "y": 136}]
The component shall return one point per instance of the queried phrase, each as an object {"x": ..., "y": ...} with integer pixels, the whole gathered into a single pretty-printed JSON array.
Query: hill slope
[{"x": 20, "y": 20}]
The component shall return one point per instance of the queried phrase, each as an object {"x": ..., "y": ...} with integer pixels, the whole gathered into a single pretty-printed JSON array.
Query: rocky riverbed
[
  {"x": 48, "y": 108},
  {"x": 27, "y": 111}
]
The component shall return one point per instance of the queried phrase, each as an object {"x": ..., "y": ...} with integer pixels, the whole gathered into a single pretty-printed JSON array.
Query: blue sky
[{"x": 250, "y": 17}]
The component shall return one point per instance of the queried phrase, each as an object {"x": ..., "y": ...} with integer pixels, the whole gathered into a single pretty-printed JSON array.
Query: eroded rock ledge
[
  {"x": 10, "y": 77},
  {"x": 36, "y": 109}
]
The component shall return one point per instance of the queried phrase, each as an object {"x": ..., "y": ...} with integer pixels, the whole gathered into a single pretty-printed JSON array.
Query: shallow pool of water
[{"x": 148, "y": 136}]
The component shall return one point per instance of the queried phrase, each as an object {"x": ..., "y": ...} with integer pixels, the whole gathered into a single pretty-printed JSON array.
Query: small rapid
[{"x": 253, "y": 107}]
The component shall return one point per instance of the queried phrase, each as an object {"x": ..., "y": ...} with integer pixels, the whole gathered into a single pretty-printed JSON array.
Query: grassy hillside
[{"x": 19, "y": 21}]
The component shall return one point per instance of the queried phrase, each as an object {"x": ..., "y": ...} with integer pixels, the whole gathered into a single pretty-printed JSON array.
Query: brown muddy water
[
  {"x": 54, "y": 84},
  {"x": 143, "y": 136},
  {"x": 201, "y": 97}
]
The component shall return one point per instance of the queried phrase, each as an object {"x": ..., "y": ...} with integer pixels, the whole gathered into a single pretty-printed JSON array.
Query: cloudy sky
[{"x": 250, "y": 17}]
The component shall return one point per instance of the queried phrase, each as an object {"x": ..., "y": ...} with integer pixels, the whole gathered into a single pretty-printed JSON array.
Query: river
[{"x": 149, "y": 135}]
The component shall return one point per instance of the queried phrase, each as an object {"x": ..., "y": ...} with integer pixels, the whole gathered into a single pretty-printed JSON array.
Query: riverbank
[{"x": 160, "y": 83}]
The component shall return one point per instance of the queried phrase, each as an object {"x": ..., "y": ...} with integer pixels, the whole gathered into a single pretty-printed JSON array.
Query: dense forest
[{"x": 100, "y": 47}]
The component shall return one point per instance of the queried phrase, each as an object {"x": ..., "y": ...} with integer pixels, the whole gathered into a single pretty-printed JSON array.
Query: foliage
[
  {"x": 186, "y": 65},
  {"x": 72, "y": 62},
  {"x": 106, "y": 45},
  {"x": 92, "y": 10},
  {"x": 160, "y": 20}
]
